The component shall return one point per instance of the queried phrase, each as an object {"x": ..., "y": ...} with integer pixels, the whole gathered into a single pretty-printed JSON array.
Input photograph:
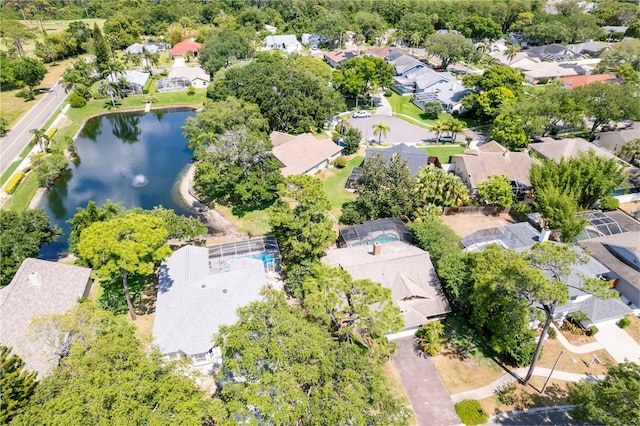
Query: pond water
[{"x": 136, "y": 158}]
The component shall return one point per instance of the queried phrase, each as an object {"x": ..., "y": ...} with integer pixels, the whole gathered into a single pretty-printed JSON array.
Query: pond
[{"x": 135, "y": 157}]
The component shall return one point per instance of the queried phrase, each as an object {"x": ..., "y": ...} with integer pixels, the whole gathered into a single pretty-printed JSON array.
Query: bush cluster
[
  {"x": 609, "y": 203},
  {"x": 340, "y": 162},
  {"x": 76, "y": 101},
  {"x": 471, "y": 413},
  {"x": 624, "y": 322},
  {"x": 13, "y": 183}
]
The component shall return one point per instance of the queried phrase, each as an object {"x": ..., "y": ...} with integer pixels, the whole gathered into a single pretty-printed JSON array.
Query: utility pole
[{"x": 550, "y": 374}]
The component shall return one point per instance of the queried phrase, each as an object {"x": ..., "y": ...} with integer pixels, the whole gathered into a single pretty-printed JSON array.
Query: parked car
[
  {"x": 361, "y": 114},
  {"x": 446, "y": 138}
]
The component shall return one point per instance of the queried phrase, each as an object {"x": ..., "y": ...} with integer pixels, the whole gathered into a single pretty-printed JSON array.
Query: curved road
[{"x": 19, "y": 136}]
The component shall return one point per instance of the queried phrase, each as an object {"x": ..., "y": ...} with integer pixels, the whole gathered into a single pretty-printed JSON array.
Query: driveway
[
  {"x": 429, "y": 398},
  {"x": 399, "y": 130},
  {"x": 618, "y": 343}
]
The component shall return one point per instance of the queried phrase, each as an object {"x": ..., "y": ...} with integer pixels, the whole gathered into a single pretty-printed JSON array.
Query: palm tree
[
  {"x": 512, "y": 51},
  {"x": 416, "y": 38},
  {"x": 128, "y": 57},
  {"x": 430, "y": 337},
  {"x": 439, "y": 126},
  {"x": 379, "y": 130},
  {"x": 631, "y": 150},
  {"x": 110, "y": 85},
  {"x": 455, "y": 126},
  {"x": 41, "y": 138}
]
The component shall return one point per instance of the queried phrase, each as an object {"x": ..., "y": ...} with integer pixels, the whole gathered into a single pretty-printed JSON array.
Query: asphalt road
[
  {"x": 19, "y": 136},
  {"x": 551, "y": 417}
]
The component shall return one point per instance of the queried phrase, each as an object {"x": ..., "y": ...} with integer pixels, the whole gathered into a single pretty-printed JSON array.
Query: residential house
[
  {"x": 312, "y": 39},
  {"x": 543, "y": 71},
  {"x": 522, "y": 236},
  {"x": 303, "y": 154},
  {"x": 571, "y": 82},
  {"x": 180, "y": 78},
  {"x": 185, "y": 46},
  {"x": 404, "y": 269},
  {"x": 416, "y": 158},
  {"x": 476, "y": 165},
  {"x": 135, "y": 80},
  {"x": 287, "y": 42},
  {"x": 374, "y": 231},
  {"x": 589, "y": 48},
  {"x": 39, "y": 288},
  {"x": 616, "y": 139},
  {"x": 405, "y": 65},
  {"x": 388, "y": 53},
  {"x": 554, "y": 52},
  {"x": 446, "y": 31},
  {"x": 620, "y": 253},
  {"x": 200, "y": 289},
  {"x": 335, "y": 58},
  {"x": 138, "y": 48},
  {"x": 566, "y": 148}
]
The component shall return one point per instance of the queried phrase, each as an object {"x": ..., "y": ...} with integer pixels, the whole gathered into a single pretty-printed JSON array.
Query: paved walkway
[
  {"x": 518, "y": 374},
  {"x": 383, "y": 106},
  {"x": 618, "y": 343},
  {"x": 429, "y": 398},
  {"x": 582, "y": 349}
]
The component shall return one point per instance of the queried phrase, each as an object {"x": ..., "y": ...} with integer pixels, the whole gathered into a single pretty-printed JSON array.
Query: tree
[
  {"x": 512, "y": 51},
  {"x": 413, "y": 24},
  {"x": 3, "y": 126},
  {"x": 589, "y": 177},
  {"x": 508, "y": 131},
  {"x": 433, "y": 109},
  {"x": 490, "y": 102},
  {"x": 435, "y": 186},
  {"x": 612, "y": 401},
  {"x": 439, "y": 126},
  {"x": 15, "y": 34},
  {"x": 496, "y": 191},
  {"x": 479, "y": 28},
  {"x": 351, "y": 138},
  {"x": 369, "y": 25},
  {"x": 21, "y": 236},
  {"x": 384, "y": 189},
  {"x": 357, "y": 311},
  {"x": 494, "y": 77},
  {"x": 449, "y": 47},
  {"x": 361, "y": 76},
  {"x": 555, "y": 262},
  {"x": 624, "y": 53},
  {"x": 454, "y": 126},
  {"x": 42, "y": 139},
  {"x": 179, "y": 227},
  {"x": 29, "y": 71},
  {"x": 602, "y": 102},
  {"x": 49, "y": 167},
  {"x": 380, "y": 130},
  {"x": 101, "y": 48},
  {"x": 630, "y": 151},
  {"x": 223, "y": 48},
  {"x": 16, "y": 383},
  {"x": 300, "y": 220},
  {"x": 559, "y": 210},
  {"x": 282, "y": 368},
  {"x": 84, "y": 217},
  {"x": 238, "y": 170},
  {"x": 430, "y": 337},
  {"x": 131, "y": 244},
  {"x": 332, "y": 24},
  {"x": 136, "y": 385}
]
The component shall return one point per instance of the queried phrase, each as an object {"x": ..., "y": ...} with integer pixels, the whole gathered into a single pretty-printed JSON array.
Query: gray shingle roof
[
  {"x": 568, "y": 148},
  {"x": 38, "y": 288},
  {"x": 404, "y": 269},
  {"x": 192, "y": 302},
  {"x": 598, "y": 310},
  {"x": 416, "y": 158}
]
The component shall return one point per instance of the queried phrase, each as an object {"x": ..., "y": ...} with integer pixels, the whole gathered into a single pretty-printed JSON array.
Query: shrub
[
  {"x": 624, "y": 322},
  {"x": 609, "y": 203},
  {"x": 471, "y": 413},
  {"x": 388, "y": 93},
  {"x": 593, "y": 330},
  {"x": 551, "y": 332},
  {"x": 340, "y": 162},
  {"x": 508, "y": 394},
  {"x": 52, "y": 132},
  {"x": 191, "y": 90},
  {"x": 432, "y": 109},
  {"x": 543, "y": 80},
  {"x": 13, "y": 183},
  {"x": 76, "y": 101}
]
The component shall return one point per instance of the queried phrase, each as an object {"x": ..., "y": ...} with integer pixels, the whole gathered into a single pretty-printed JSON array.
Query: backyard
[{"x": 443, "y": 152}]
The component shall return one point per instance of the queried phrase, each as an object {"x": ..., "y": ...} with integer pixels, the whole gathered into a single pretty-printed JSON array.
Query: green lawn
[
  {"x": 20, "y": 199},
  {"x": 254, "y": 223},
  {"x": 443, "y": 152},
  {"x": 403, "y": 108},
  {"x": 334, "y": 185}
]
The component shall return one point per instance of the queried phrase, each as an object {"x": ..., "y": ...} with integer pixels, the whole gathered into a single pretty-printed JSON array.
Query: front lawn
[
  {"x": 443, "y": 152},
  {"x": 334, "y": 181}
]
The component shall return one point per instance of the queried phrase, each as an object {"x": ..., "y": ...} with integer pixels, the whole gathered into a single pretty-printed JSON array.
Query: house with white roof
[
  {"x": 287, "y": 42},
  {"x": 135, "y": 80},
  {"x": 200, "y": 289}
]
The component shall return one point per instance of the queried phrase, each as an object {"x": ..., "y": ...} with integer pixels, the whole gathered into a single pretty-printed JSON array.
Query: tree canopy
[
  {"x": 16, "y": 383},
  {"x": 222, "y": 48},
  {"x": 21, "y": 236},
  {"x": 612, "y": 401},
  {"x": 362, "y": 76},
  {"x": 449, "y": 47},
  {"x": 281, "y": 368},
  {"x": 435, "y": 186},
  {"x": 496, "y": 191}
]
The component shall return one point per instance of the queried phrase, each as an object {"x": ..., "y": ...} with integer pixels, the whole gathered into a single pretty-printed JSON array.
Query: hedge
[
  {"x": 13, "y": 183},
  {"x": 51, "y": 133},
  {"x": 624, "y": 322},
  {"x": 593, "y": 330},
  {"x": 471, "y": 413}
]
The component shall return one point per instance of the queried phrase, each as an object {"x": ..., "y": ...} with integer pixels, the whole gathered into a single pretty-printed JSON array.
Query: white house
[{"x": 287, "y": 42}]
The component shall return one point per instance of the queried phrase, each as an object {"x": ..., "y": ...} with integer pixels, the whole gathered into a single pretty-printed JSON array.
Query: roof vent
[
  {"x": 34, "y": 279},
  {"x": 203, "y": 286},
  {"x": 224, "y": 290}
]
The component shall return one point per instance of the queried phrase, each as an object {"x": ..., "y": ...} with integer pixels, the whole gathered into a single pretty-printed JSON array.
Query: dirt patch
[
  {"x": 464, "y": 225},
  {"x": 634, "y": 328},
  {"x": 630, "y": 207},
  {"x": 529, "y": 396}
]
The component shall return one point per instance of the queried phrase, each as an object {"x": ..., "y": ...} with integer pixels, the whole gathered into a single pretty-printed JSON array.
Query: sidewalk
[
  {"x": 517, "y": 374},
  {"x": 582, "y": 349},
  {"x": 618, "y": 343}
]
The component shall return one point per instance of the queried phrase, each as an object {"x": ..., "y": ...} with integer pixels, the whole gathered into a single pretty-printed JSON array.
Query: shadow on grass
[
  {"x": 142, "y": 288},
  {"x": 242, "y": 211}
]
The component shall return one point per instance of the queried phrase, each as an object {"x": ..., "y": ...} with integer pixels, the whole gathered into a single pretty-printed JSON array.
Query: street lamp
[{"x": 57, "y": 98}]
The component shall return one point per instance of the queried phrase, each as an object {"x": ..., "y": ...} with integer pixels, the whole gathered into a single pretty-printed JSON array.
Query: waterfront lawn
[
  {"x": 253, "y": 223},
  {"x": 334, "y": 181}
]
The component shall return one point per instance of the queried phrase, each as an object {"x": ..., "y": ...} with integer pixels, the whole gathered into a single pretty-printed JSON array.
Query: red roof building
[
  {"x": 571, "y": 82},
  {"x": 183, "y": 46}
]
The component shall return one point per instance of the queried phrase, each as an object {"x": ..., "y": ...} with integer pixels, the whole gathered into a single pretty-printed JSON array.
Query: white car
[{"x": 361, "y": 114}]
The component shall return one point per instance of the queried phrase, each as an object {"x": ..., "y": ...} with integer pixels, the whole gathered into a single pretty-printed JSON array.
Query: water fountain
[{"x": 139, "y": 181}]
